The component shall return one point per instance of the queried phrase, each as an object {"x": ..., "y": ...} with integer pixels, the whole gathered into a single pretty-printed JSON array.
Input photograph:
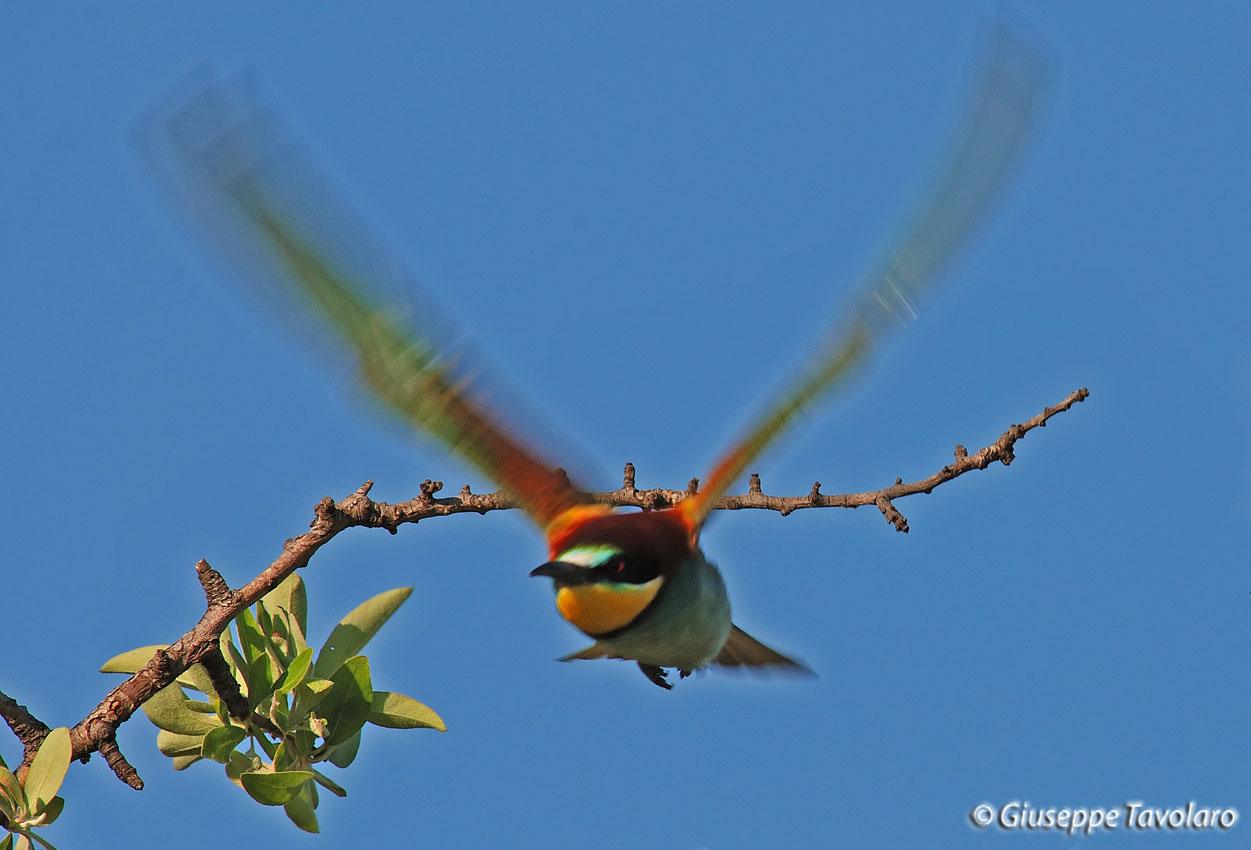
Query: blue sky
[{"x": 643, "y": 214}]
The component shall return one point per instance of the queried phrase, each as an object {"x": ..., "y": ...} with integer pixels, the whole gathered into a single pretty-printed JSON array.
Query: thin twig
[
  {"x": 125, "y": 770},
  {"x": 391, "y": 516}
]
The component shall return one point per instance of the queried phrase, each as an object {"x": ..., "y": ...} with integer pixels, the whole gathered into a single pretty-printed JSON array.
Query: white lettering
[{"x": 1019, "y": 814}]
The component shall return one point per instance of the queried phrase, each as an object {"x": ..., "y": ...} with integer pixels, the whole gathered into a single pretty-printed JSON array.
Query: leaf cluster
[
  {"x": 24, "y": 806},
  {"x": 303, "y": 710}
]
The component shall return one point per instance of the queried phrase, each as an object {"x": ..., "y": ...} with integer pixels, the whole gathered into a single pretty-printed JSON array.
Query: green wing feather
[
  {"x": 253, "y": 195},
  {"x": 1004, "y": 103}
]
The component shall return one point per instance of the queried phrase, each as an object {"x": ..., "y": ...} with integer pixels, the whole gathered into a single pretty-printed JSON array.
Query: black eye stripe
[{"x": 629, "y": 568}]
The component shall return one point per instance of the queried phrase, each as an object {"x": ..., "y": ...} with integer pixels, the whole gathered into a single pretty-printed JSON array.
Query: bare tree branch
[
  {"x": 29, "y": 729},
  {"x": 390, "y": 517},
  {"x": 1001, "y": 450},
  {"x": 97, "y": 731}
]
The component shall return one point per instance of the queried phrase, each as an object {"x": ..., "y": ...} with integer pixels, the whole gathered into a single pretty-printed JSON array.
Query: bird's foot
[
  {"x": 656, "y": 675},
  {"x": 684, "y": 673}
]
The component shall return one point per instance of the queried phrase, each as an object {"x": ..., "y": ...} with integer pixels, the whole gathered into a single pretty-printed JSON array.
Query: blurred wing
[
  {"x": 1004, "y": 102},
  {"x": 259, "y": 200}
]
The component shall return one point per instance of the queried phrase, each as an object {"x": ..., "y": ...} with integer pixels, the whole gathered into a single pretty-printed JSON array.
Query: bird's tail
[
  {"x": 593, "y": 651},
  {"x": 743, "y": 650}
]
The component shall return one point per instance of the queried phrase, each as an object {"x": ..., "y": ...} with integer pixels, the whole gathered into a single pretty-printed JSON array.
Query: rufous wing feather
[
  {"x": 1004, "y": 102},
  {"x": 264, "y": 206}
]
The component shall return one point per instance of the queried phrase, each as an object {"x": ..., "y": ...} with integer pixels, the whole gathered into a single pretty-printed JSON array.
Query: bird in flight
[{"x": 637, "y": 583}]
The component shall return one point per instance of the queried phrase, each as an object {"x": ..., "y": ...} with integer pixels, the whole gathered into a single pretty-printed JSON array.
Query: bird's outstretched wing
[
  {"x": 268, "y": 211},
  {"x": 1004, "y": 103}
]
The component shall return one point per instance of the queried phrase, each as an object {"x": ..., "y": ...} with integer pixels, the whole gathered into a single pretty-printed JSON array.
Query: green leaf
[
  {"x": 260, "y": 680},
  {"x": 12, "y": 797},
  {"x": 197, "y": 677},
  {"x": 302, "y": 812},
  {"x": 168, "y": 710},
  {"x": 299, "y": 604},
  {"x": 346, "y": 705},
  {"x": 296, "y": 672},
  {"x": 7, "y": 843},
  {"x": 289, "y": 630},
  {"x": 278, "y": 630},
  {"x": 285, "y": 757},
  {"x": 255, "y": 663},
  {"x": 355, "y": 630},
  {"x": 132, "y": 661},
  {"x": 226, "y": 643},
  {"x": 279, "y": 714},
  {"x": 305, "y": 740},
  {"x": 396, "y": 711},
  {"x": 52, "y": 811},
  {"x": 290, "y": 596},
  {"x": 274, "y": 789},
  {"x": 342, "y": 755},
  {"x": 329, "y": 784},
  {"x": 185, "y": 761},
  {"x": 298, "y": 640},
  {"x": 278, "y": 657},
  {"x": 249, "y": 631},
  {"x": 221, "y": 742},
  {"x": 238, "y": 765},
  {"x": 173, "y": 744},
  {"x": 307, "y": 695},
  {"x": 47, "y": 771},
  {"x": 235, "y": 660},
  {"x": 263, "y": 621}
]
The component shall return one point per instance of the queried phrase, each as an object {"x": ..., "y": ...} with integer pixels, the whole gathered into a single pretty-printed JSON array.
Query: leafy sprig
[{"x": 287, "y": 711}]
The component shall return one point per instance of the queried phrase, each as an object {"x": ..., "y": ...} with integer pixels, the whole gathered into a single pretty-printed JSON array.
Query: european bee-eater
[{"x": 637, "y": 583}]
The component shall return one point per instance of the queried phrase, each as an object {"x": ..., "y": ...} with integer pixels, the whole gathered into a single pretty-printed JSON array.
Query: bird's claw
[{"x": 657, "y": 675}]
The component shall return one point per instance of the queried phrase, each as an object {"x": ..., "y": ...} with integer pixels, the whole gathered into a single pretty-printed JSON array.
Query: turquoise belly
[{"x": 687, "y": 625}]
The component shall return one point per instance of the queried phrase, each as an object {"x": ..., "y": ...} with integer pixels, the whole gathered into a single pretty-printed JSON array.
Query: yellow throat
[{"x": 604, "y": 606}]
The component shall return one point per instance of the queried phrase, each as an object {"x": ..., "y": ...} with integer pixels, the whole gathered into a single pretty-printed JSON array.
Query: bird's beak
[{"x": 564, "y": 573}]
